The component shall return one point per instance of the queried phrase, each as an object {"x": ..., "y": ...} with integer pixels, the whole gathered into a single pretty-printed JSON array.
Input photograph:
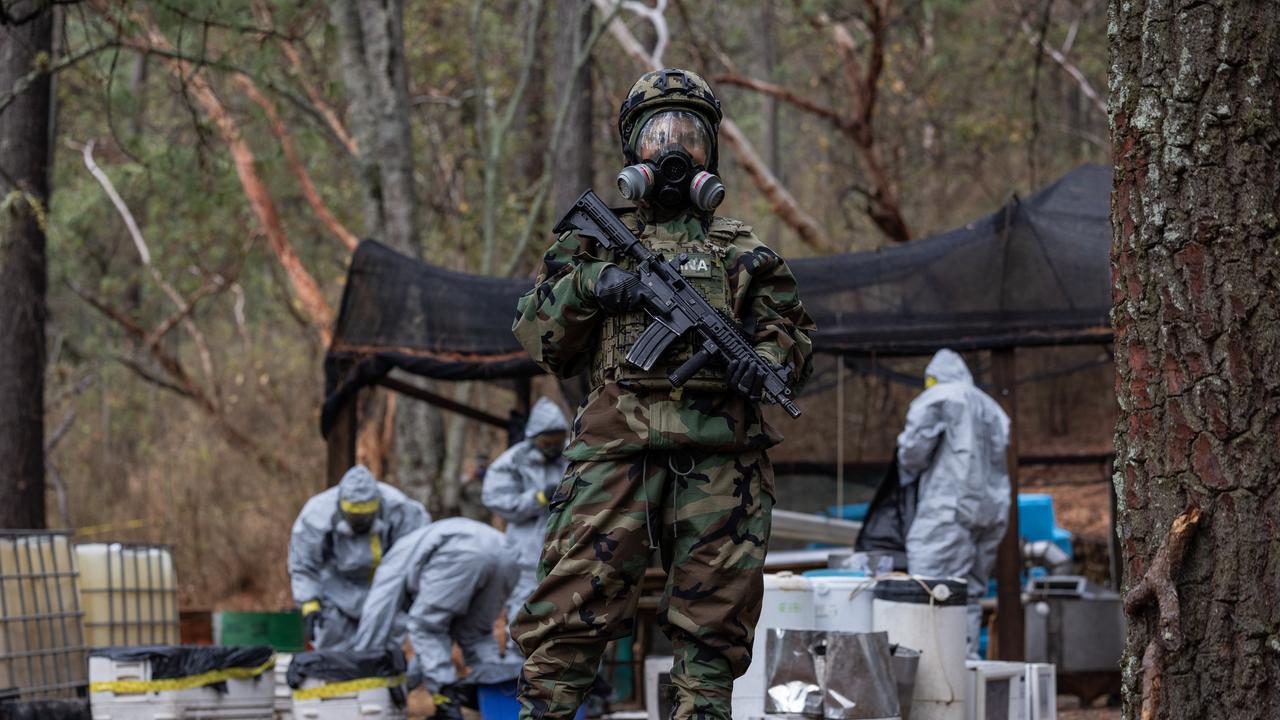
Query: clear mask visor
[{"x": 674, "y": 127}]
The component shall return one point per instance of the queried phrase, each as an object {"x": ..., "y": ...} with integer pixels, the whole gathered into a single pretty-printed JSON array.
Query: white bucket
[
  {"x": 842, "y": 602},
  {"x": 936, "y": 626},
  {"x": 788, "y": 605}
]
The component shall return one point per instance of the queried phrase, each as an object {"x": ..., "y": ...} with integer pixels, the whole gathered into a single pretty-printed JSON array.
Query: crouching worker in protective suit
[
  {"x": 338, "y": 541},
  {"x": 520, "y": 484},
  {"x": 954, "y": 443},
  {"x": 454, "y": 577}
]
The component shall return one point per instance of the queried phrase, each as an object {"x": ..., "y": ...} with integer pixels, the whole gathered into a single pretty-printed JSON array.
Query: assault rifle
[{"x": 675, "y": 306}]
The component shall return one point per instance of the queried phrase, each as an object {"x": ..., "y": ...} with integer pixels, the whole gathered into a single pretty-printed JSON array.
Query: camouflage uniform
[{"x": 680, "y": 470}]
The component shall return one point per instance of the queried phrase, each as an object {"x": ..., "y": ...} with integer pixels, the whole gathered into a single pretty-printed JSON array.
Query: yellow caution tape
[
  {"x": 359, "y": 508},
  {"x": 346, "y": 687},
  {"x": 137, "y": 687}
]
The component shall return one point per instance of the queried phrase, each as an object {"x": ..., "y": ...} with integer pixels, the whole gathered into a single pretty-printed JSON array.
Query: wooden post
[
  {"x": 342, "y": 440},
  {"x": 1009, "y": 620}
]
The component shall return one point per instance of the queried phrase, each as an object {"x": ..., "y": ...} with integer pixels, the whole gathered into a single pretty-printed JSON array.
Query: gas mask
[{"x": 673, "y": 147}]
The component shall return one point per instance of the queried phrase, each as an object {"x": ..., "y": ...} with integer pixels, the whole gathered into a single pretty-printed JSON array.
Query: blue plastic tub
[
  {"x": 833, "y": 572},
  {"x": 856, "y": 511},
  {"x": 498, "y": 702},
  {"x": 1035, "y": 516}
]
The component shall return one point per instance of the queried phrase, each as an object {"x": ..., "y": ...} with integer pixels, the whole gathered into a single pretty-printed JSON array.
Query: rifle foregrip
[{"x": 689, "y": 367}]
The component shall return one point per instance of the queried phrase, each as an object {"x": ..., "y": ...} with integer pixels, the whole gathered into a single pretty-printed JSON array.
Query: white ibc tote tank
[
  {"x": 788, "y": 605},
  {"x": 129, "y": 594},
  {"x": 929, "y": 615},
  {"x": 842, "y": 600}
]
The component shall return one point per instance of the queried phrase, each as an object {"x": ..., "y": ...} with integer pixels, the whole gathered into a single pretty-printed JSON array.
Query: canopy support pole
[
  {"x": 442, "y": 402},
  {"x": 1009, "y": 619},
  {"x": 341, "y": 440}
]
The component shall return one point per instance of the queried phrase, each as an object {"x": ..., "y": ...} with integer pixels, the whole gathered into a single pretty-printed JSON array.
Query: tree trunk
[
  {"x": 371, "y": 45},
  {"x": 573, "y": 171},
  {"x": 1195, "y": 116},
  {"x": 24, "y": 202}
]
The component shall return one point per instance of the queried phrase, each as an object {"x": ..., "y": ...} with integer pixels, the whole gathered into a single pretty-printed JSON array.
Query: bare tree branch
[
  {"x": 780, "y": 199},
  {"x": 301, "y": 282},
  {"x": 1086, "y": 87},
  {"x": 294, "y": 162},
  {"x": 786, "y": 95},
  {"x": 144, "y": 254},
  {"x": 50, "y": 68},
  {"x": 301, "y": 72}
]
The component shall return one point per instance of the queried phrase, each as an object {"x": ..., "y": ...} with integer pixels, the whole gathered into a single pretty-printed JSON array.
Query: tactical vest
[{"x": 705, "y": 271}]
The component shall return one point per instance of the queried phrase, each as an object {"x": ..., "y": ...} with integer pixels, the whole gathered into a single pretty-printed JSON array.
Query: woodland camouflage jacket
[{"x": 559, "y": 321}]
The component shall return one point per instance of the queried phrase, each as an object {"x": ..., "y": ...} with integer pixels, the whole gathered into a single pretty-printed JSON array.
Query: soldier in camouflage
[{"x": 683, "y": 471}]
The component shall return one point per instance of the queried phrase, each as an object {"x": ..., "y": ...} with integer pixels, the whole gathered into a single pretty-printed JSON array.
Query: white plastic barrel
[
  {"x": 929, "y": 615},
  {"x": 128, "y": 593},
  {"x": 842, "y": 600},
  {"x": 788, "y": 605}
]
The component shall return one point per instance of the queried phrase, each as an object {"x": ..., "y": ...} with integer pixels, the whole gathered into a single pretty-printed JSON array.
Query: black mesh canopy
[{"x": 1035, "y": 272}]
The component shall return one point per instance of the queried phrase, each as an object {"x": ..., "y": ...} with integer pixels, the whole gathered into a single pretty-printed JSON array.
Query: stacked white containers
[
  {"x": 238, "y": 698},
  {"x": 928, "y": 615},
  {"x": 371, "y": 704},
  {"x": 283, "y": 693},
  {"x": 129, "y": 594},
  {"x": 787, "y": 605}
]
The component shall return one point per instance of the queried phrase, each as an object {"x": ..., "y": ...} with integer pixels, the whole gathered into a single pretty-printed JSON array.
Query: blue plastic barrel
[{"x": 498, "y": 702}]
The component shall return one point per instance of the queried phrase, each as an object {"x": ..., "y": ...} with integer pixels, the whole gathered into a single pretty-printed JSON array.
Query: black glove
[
  {"x": 744, "y": 378},
  {"x": 311, "y": 625},
  {"x": 619, "y": 291}
]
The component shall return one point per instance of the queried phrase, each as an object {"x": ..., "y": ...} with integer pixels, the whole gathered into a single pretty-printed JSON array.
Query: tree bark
[
  {"x": 24, "y": 202},
  {"x": 573, "y": 166},
  {"x": 1195, "y": 114},
  {"x": 371, "y": 45}
]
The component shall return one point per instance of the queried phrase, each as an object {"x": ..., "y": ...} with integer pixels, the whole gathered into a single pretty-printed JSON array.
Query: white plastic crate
[
  {"x": 283, "y": 693},
  {"x": 363, "y": 704},
  {"x": 244, "y": 699}
]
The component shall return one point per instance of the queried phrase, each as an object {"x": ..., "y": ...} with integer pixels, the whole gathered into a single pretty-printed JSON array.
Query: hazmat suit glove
[
  {"x": 311, "y": 625},
  {"x": 619, "y": 291},
  {"x": 744, "y": 378}
]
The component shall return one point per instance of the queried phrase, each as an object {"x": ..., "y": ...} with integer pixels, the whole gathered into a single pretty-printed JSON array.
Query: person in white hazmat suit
[
  {"x": 518, "y": 486},
  {"x": 338, "y": 541},
  {"x": 453, "y": 576},
  {"x": 954, "y": 445}
]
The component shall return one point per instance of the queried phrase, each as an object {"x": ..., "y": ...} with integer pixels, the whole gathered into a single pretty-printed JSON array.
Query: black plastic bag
[
  {"x": 339, "y": 665},
  {"x": 179, "y": 661},
  {"x": 885, "y": 527}
]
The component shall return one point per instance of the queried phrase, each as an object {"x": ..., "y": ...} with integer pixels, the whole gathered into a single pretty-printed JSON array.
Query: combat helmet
[{"x": 669, "y": 88}]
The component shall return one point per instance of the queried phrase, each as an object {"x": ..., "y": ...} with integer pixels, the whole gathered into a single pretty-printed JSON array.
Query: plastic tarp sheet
[
  {"x": 340, "y": 665},
  {"x": 1036, "y": 271},
  {"x": 179, "y": 661}
]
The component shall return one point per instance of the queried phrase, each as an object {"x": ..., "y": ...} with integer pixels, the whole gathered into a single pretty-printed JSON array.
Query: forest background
[{"x": 215, "y": 162}]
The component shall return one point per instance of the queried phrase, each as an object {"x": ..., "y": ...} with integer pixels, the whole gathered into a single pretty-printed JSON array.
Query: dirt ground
[{"x": 1071, "y": 712}]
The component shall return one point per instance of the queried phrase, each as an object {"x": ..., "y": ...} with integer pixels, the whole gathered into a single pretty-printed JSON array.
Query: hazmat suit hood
[
  {"x": 545, "y": 417},
  {"x": 358, "y": 486},
  {"x": 947, "y": 366}
]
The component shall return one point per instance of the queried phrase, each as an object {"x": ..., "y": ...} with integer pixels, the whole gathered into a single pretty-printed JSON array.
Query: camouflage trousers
[{"x": 708, "y": 515}]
